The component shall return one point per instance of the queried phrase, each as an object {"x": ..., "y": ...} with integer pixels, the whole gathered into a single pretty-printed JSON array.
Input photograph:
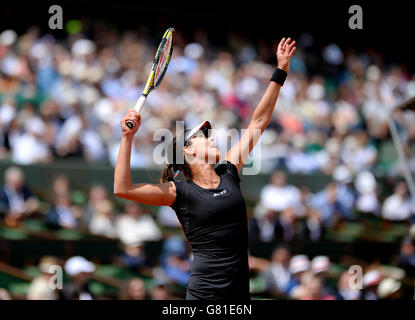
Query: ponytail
[
  {"x": 167, "y": 174},
  {"x": 171, "y": 171}
]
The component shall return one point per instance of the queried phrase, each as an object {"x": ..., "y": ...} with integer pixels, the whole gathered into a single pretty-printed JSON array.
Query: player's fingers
[
  {"x": 127, "y": 128},
  {"x": 286, "y": 42},
  {"x": 292, "y": 51},
  {"x": 131, "y": 111},
  {"x": 280, "y": 45},
  {"x": 124, "y": 122},
  {"x": 129, "y": 118},
  {"x": 292, "y": 44},
  {"x": 132, "y": 115}
]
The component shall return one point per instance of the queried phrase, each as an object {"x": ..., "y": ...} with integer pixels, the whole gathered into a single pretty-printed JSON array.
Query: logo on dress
[{"x": 220, "y": 193}]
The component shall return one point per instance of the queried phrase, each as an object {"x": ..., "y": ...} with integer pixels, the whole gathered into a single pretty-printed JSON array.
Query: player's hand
[
  {"x": 135, "y": 118},
  {"x": 284, "y": 53}
]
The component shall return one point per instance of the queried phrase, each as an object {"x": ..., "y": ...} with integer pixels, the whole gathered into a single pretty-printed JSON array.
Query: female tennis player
[{"x": 209, "y": 203}]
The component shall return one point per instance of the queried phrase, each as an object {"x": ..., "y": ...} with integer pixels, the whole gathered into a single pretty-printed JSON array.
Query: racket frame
[{"x": 150, "y": 84}]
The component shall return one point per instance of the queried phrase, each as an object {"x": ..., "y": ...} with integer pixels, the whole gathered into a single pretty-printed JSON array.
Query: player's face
[{"x": 202, "y": 149}]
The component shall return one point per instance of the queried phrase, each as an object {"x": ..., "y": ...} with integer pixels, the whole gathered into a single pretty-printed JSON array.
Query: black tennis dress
[{"x": 215, "y": 224}]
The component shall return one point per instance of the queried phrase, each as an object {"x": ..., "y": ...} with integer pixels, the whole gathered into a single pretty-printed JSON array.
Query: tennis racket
[{"x": 158, "y": 70}]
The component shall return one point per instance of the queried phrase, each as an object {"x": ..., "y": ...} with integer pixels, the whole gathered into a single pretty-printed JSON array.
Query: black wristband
[{"x": 279, "y": 76}]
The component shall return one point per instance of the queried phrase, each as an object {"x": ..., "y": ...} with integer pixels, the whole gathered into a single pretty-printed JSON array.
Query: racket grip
[
  {"x": 140, "y": 103},
  {"x": 138, "y": 107}
]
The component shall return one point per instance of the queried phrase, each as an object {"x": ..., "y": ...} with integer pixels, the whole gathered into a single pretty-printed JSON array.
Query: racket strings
[{"x": 163, "y": 60}]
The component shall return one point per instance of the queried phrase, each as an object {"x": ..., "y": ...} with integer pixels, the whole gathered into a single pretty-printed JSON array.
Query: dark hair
[
  {"x": 124, "y": 292},
  {"x": 169, "y": 171},
  {"x": 284, "y": 246}
]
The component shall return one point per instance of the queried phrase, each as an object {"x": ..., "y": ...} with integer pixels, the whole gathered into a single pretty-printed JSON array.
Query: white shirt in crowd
[
  {"x": 279, "y": 198},
  {"x": 368, "y": 202},
  {"x": 101, "y": 224},
  {"x": 39, "y": 289},
  {"x": 136, "y": 230},
  {"x": 28, "y": 149},
  {"x": 396, "y": 208}
]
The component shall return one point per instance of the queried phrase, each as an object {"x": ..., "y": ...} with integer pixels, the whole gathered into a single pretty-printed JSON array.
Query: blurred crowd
[
  {"x": 298, "y": 277},
  {"x": 284, "y": 214},
  {"x": 64, "y": 98},
  {"x": 283, "y": 276}
]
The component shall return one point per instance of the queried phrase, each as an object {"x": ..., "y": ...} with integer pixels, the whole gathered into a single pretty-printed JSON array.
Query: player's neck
[{"x": 205, "y": 175}]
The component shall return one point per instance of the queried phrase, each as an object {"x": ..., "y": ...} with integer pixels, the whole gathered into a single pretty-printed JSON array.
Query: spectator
[
  {"x": 134, "y": 256},
  {"x": 344, "y": 190},
  {"x": 302, "y": 206},
  {"x": 358, "y": 152},
  {"x": 264, "y": 229},
  {"x": 345, "y": 291},
  {"x": 274, "y": 226},
  {"x": 79, "y": 270},
  {"x": 62, "y": 214},
  {"x": 97, "y": 193},
  {"x": 406, "y": 258},
  {"x": 389, "y": 289},
  {"x": 136, "y": 226},
  {"x": 398, "y": 206},
  {"x": 134, "y": 289},
  {"x": 328, "y": 204},
  {"x": 367, "y": 201},
  {"x": 312, "y": 226},
  {"x": 161, "y": 291},
  {"x": 299, "y": 266},
  {"x": 40, "y": 288},
  {"x": 320, "y": 267},
  {"x": 102, "y": 220},
  {"x": 371, "y": 280},
  {"x": 277, "y": 275},
  {"x": 286, "y": 225},
  {"x": 276, "y": 213},
  {"x": 4, "y": 294},
  {"x": 30, "y": 147},
  {"x": 300, "y": 160},
  {"x": 167, "y": 217},
  {"x": 277, "y": 195},
  {"x": 175, "y": 261},
  {"x": 16, "y": 199},
  {"x": 314, "y": 290},
  {"x": 61, "y": 185}
]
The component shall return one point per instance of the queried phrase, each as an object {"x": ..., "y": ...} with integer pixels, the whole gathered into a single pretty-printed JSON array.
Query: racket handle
[
  {"x": 140, "y": 103},
  {"x": 138, "y": 107}
]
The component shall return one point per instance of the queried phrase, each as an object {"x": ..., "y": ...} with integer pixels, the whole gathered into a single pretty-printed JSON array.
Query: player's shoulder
[{"x": 228, "y": 168}]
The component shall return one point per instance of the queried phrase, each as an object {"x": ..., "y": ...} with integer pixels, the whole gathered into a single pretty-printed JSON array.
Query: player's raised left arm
[{"x": 262, "y": 115}]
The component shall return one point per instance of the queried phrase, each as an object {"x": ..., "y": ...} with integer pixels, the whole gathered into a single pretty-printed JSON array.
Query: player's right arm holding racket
[
  {"x": 163, "y": 194},
  {"x": 146, "y": 193}
]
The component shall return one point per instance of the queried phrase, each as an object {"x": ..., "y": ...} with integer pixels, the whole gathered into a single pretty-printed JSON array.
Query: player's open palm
[{"x": 285, "y": 51}]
